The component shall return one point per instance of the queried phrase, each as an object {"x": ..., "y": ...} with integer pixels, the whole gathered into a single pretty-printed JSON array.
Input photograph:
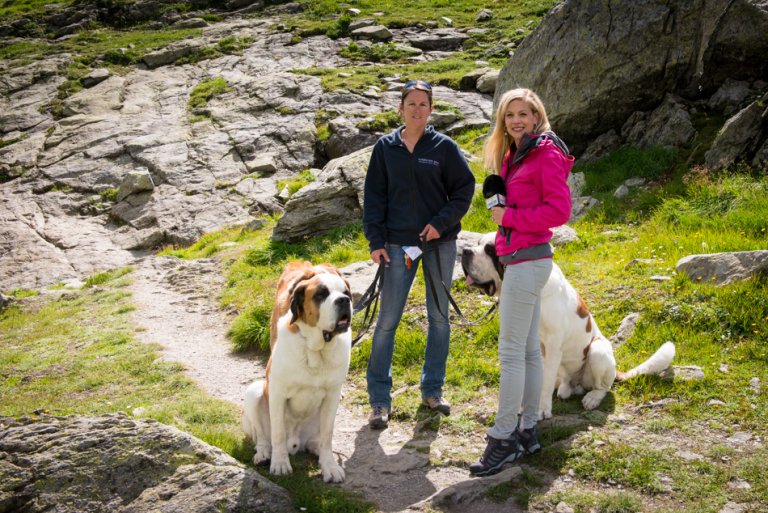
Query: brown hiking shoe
[{"x": 438, "y": 404}]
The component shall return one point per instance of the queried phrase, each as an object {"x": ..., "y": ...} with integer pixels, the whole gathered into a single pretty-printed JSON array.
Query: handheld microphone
[{"x": 494, "y": 191}]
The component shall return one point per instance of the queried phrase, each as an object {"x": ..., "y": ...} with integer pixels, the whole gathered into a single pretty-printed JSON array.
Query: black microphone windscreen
[{"x": 494, "y": 184}]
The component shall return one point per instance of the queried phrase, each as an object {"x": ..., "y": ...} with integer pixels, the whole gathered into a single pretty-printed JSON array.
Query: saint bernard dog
[
  {"x": 294, "y": 407},
  {"x": 576, "y": 356}
]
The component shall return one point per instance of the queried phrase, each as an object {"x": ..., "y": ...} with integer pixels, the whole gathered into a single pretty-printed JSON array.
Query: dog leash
[
  {"x": 369, "y": 297},
  {"x": 464, "y": 321},
  {"x": 369, "y": 301}
]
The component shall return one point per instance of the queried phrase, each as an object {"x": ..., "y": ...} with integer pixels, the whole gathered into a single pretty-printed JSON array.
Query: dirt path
[
  {"x": 399, "y": 468},
  {"x": 177, "y": 309}
]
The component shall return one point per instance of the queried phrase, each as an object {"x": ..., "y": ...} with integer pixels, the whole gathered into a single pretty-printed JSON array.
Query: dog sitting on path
[
  {"x": 294, "y": 407},
  {"x": 576, "y": 356}
]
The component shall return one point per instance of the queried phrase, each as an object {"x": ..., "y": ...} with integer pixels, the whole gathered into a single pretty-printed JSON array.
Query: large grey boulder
[
  {"x": 595, "y": 62},
  {"x": 334, "y": 199},
  {"x": 114, "y": 463}
]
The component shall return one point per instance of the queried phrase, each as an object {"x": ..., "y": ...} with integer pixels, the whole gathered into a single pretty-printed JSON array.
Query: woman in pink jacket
[{"x": 534, "y": 164}]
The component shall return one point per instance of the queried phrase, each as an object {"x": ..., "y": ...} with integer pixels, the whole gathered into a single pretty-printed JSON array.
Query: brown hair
[{"x": 415, "y": 85}]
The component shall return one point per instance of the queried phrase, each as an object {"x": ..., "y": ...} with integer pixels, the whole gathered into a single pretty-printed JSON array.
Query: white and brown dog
[
  {"x": 576, "y": 356},
  {"x": 294, "y": 407}
]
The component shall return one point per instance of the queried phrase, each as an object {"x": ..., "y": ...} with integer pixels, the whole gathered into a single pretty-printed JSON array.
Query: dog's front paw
[
  {"x": 545, "y": 408},
  {"x": 280, "y": 467},
  {"x": 333, "y": 473},
  {"x": 263, "y": 453},
  {"x": 593, "y": 399}
]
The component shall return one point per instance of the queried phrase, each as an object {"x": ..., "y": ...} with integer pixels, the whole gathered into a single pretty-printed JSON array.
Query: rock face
[
  {"x": 114, "y": 463},
  {"x": 125, "y": 166},
  {"x": 596, "y": 62}
]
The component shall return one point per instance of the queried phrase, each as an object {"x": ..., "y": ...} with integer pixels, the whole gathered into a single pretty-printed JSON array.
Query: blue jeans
[
  {"x": 394, "y": 293},
  {"x": 519, "y": 345}
]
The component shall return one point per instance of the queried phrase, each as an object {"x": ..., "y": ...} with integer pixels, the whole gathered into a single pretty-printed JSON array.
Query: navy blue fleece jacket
[{"x": 406, "y": 191}]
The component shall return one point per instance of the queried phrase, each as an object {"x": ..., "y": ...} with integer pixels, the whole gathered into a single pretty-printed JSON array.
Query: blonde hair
[{"x": 499, "y": 142}]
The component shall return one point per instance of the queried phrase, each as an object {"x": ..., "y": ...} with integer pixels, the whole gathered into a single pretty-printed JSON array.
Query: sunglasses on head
[{"x": 417, "y": 83}]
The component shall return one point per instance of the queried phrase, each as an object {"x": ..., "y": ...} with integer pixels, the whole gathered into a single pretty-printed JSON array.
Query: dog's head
[
  {"x": 481, "y": 265},
  {"x": 322, "y": 300}
]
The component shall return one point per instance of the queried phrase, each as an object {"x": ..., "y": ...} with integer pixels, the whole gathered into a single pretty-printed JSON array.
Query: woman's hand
[
  {"x": 497, "y": 214},
  {"x": 379, "y": 255},
  {"x": 429, "y": 233}
]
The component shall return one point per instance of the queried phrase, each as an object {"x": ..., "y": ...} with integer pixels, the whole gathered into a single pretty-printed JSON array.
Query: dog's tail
[{"x": 660, "y": 360}]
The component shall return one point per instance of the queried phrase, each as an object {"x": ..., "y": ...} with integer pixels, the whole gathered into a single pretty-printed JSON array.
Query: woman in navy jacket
[{"x": 418, "y": 187}]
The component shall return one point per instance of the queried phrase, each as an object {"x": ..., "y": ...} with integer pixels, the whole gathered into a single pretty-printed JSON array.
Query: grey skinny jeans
[{"x": 519, "y": 350}]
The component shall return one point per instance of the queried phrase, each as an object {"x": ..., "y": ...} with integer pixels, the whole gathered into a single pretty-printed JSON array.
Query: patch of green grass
[
  {"x": 231, "y": 45},
  {"x": 209, "y": 244},
  {"x": 382, "y": 121},
  {"x": 633, "y": 466},
  {"x": 251, "y": 330},
  {"x": 443, "y": 106},
  {"x": 109, "y": 194},
  {"x": 14, "y": 10},
  {"x": 376, "y": 52},
  {"x": 107, "y": 276},
  {"x": 447, "y": 72},
  {"x": 76, "y": 354},
  {"x": 594, "y": 502},
  {"x": 205, "y": 91},
  {"x": 120, "y": 47},
  {"x": 294, "y": 184}
]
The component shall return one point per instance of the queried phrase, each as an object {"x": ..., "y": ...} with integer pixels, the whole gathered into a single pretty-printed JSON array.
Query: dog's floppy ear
[
  {"x": 297, "y": 301},
  {"x": 490, "y": 250}
]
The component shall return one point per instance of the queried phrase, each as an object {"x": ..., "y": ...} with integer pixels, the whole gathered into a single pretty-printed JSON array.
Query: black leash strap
[
  {"x": 464, "y": 320},
  {"x": 369, "y": 297}
]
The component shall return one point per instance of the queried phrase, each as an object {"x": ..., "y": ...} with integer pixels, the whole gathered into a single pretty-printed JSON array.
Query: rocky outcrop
[
  {"x": 743, "y": 138},
  {"x": 595, "y": 62},
  {"x": 115, "y": 463},
  {"x": 723, "y": 268},
  {"x": 69, "y": 199}
]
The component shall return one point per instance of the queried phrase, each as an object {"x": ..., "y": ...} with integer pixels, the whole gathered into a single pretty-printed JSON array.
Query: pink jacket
[{"x": 538, "y": 197}]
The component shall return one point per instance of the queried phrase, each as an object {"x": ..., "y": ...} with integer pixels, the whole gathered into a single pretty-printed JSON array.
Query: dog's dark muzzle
[
  {"x": 489, "y": 287},
  {"x": 343, "y": 317}
]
